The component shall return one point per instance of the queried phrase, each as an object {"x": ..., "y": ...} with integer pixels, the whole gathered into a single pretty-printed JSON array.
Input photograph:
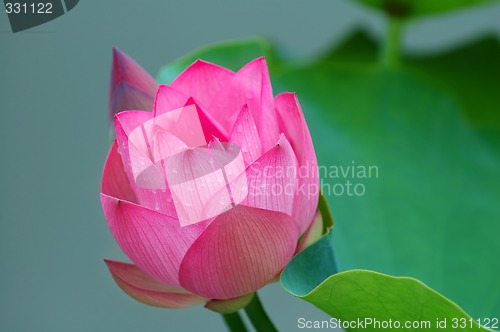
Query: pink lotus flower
[{"x": 209, "y": 193}]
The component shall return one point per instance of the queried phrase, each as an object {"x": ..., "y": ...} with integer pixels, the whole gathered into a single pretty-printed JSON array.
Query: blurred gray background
[{"x": 54, "y": 137}]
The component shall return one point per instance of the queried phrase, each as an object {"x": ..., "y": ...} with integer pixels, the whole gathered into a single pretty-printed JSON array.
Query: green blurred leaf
[
  {"x": 356, "y": 49},
  {"x": 469, "y": 73},
  {"x": 411, "y": 8},
  {"x": 383, "y": 298},
  {"x": 310, "y": 267},
  {"x": 357, "y": 295},
  {"x": 232, "y": 55}
]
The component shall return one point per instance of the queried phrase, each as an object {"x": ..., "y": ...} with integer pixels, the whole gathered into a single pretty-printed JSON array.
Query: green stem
[
  {"x": 258, "y": 316},
  {"x": 391, "y": 52},
  {"x": 234, "y": 322}
]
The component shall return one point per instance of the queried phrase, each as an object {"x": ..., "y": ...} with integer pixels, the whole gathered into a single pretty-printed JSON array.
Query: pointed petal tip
[
  {"x": 292, "y": 122},
  {"x": 204, "y": 63},
  {"x": 283, "y": 142},
  {"x": 131, "y": 87},
  {"x": 261, "y": 58},
  {"x": 261, "y": 61},
  {"x": 202, "y": 80},
  {"x": 118, "y": 55},
  {"x": 108, "y": 201},
  {"x": 116, "y": 52},
  {"x": 281, "y": 139},
  {"x": 125, "y": 68},
  {"x": 198, "y": 61},
  {"x": 286, "y": 94}
]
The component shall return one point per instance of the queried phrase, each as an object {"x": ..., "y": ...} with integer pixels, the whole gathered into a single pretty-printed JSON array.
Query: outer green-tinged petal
[
  {"x": 147, "y": 290},
  {"x": 231, "y": 305},
  {"x": 313, "y": 233},
  {"x": 240, "y": 251}
]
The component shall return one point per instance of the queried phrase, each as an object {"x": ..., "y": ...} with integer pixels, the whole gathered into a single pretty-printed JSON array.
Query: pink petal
[
  {"x": 150, "y": 174},
  {"x": 245, "y": 134},
  {"x": 272, "y": 179},
  {"x": 146, "y": 151},
  {"x": 125, "y": 69},
  {"x": 240, "y": 251},
  {"x": 250, "y": 86},
  {"x": 129, "y": 120},
  {"x": 155, "y": 242},
  {"x": 168, "y": 99},
  {"x": 202, "y": 80},
  {"x": 134, "y": 141},
  {"x": 131, "y": 87},
  {"x": 137, "y": 162},
  {"x": 292, "y": 122},
  {"x": 184, "y": 123},
  {"x": 211, "y": 127},
  {"x": 228, "y": 165},
  {"x": 192, "y": 183},
  {"x": 115, "y": 182},
  {"x": 166, "y": 144},
  {"x": 197, "y": 175},
  {"x": 147, "y": 290},
  {"x": 127, "y": 123}
]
